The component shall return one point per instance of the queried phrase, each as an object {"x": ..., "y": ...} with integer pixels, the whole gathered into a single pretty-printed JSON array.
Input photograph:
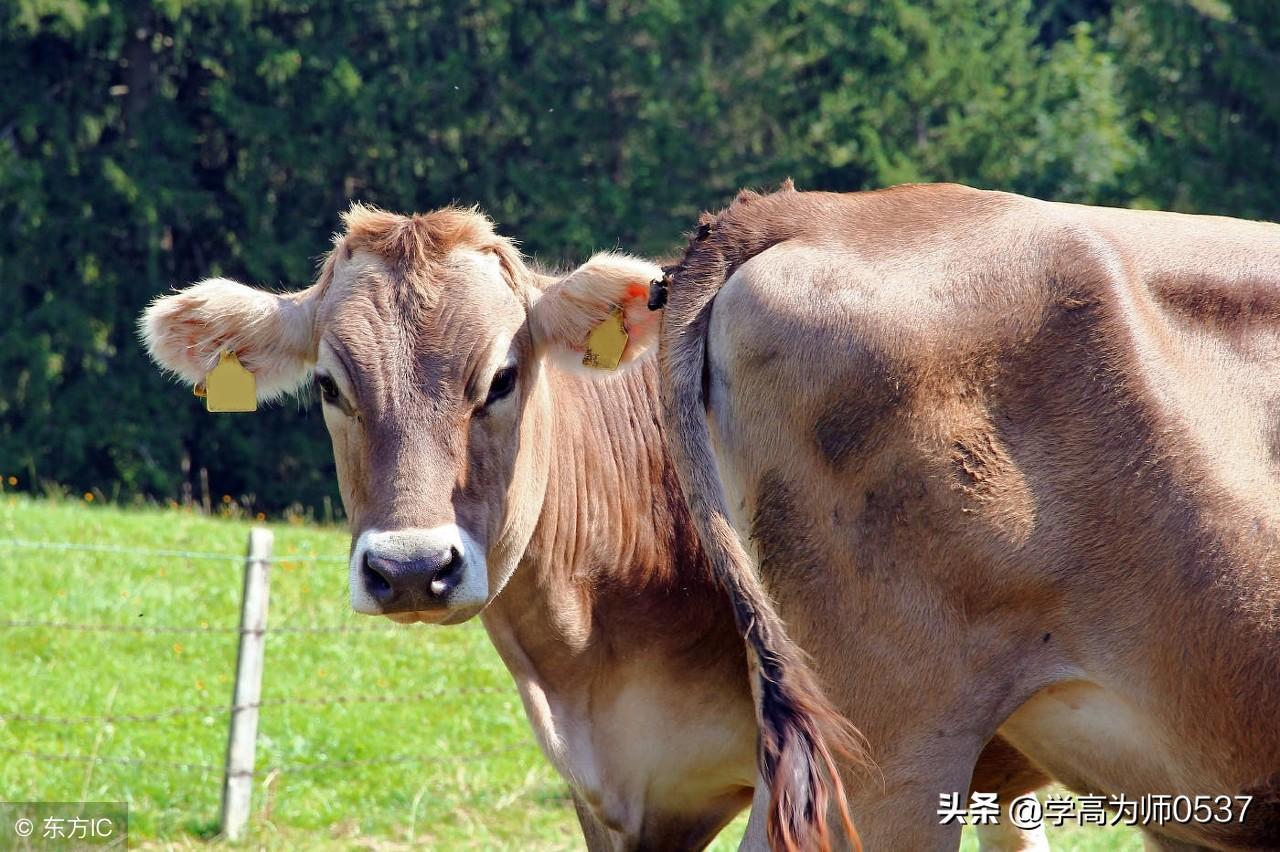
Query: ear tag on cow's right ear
[
  {"x": 229, "y": 386},
  {"x": 607, "y": 342}
]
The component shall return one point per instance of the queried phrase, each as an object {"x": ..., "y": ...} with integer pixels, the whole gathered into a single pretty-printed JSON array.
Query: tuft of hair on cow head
[
  {"x": 568, "y": 310},
  {"x": 272, "y": 334}
]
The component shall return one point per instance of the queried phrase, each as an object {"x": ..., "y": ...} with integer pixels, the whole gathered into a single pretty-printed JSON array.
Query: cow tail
[{"x": 800, "y": 730}]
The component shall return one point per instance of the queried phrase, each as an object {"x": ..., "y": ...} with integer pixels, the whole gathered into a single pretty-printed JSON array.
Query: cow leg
[
  {"x": 1156, "y": 843},
  {"x": 896, "y": 809},
  {"x": 659, "y": 830},
  {"x": 598, "y": 836},
  {"x": 902, "y": 814},
  {"x": 1007, "y": 772},
  {"x": 754, "y": 839},
  {"x": 1001, "y": 769},
  {"x": 1008, "y": 838}
]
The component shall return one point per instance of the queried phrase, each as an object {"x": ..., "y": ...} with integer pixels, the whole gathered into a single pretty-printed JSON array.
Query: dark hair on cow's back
[{"x": 801, "y": 732}]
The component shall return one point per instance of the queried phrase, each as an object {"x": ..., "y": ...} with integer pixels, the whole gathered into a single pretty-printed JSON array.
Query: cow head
[{"x": 425, "y": 337}]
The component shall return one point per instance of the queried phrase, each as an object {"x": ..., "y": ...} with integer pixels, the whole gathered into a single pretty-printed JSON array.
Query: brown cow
[
  {"x": 1008, "y": 467},
  {"x": 427, "y": 337},
  {"x": 469, "y": 469}
]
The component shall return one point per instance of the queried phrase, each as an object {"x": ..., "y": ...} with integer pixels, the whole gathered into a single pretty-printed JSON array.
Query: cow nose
[{"x": 406, "y": 585}]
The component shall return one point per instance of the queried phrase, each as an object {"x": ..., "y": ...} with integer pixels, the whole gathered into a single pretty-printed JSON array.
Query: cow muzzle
[{"x": 435, "y": 575}]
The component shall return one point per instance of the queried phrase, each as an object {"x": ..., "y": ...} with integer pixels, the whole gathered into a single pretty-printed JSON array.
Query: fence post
[{"x": 237, "y": 786}]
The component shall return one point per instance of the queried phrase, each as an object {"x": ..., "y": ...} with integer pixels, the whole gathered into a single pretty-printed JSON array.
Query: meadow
[{"x": 431, "y": 751}]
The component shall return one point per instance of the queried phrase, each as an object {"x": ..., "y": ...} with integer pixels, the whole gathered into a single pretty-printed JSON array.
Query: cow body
[{"x": 1008, "y": 468}]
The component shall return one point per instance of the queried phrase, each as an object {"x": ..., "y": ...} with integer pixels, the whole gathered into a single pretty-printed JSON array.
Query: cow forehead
[
  {"x": 364, "y": 292},
  {"x": 429, "y": 327}
]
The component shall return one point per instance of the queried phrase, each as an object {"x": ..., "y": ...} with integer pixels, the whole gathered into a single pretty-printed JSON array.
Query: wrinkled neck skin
[{"x": 624, "y": 651}]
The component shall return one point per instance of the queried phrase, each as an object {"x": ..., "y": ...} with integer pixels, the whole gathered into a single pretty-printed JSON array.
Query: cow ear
[
  {"x": 272, "y": 334},
  {"x": 571, "y": 308}
]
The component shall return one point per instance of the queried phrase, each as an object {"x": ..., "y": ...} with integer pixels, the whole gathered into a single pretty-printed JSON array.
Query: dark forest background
[{"x": 147, "y": 145}]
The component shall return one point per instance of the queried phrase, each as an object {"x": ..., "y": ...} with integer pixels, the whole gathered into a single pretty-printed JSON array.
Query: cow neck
[{"x": 611, "y": 531}]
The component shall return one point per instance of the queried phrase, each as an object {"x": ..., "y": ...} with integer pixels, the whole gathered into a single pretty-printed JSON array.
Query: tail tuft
[{"x": 801, "y": 738}]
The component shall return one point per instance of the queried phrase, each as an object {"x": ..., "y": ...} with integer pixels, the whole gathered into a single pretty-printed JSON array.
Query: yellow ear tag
[
  {"x": 606, "y": 343},
  {"x": 229, "y": 386}
]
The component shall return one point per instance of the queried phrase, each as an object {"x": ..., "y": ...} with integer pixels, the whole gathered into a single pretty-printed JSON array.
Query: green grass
[{"x": 472, "y": 778}]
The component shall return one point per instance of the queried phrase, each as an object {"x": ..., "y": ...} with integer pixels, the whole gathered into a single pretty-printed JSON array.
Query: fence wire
[
  {"x": 178, "y": 628},
  {"x": 222, "y": 709},
  {"x": 160, "y": 554},
  {"x": 212, "y": 709},
  {"x": 310, "y": 766}
]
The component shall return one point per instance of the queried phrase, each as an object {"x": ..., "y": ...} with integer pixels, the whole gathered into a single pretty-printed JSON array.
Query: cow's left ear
[
  {"x": 272, "y": 334},
  {"x": 571, "y": 308}
]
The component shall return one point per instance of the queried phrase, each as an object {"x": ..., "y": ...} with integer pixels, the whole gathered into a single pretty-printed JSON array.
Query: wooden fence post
[{"x": 237, "y": 786}]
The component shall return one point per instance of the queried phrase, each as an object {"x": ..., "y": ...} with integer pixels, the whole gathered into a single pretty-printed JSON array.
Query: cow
[
  {"x": 481, "y": 478},
  {"x": 1008, "y": 470},
  {"x": 476, "y": 455}
]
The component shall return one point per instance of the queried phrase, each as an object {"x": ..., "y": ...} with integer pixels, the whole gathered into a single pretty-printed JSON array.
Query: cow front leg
[{"x": 597, "y": 835}]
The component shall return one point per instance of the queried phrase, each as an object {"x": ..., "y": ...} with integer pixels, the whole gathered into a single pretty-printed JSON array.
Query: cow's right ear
[
  {"x": 568, "y": 310},
  {"x": 272, "y": 334}
]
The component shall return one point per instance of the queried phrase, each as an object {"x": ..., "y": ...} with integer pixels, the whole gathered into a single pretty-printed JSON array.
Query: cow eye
[
  {"x": 328, "y": 388},
  {"x": 504, "y": 381}
]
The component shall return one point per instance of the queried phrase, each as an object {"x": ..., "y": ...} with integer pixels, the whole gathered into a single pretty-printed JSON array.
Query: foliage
[
  {"x": 949, "y": 90},
  {"x": 145, "y": 145},
  {"x": 1201, "y": 78}
]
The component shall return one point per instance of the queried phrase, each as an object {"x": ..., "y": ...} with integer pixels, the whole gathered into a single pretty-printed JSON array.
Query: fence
[{"x": 238, "y": 770}]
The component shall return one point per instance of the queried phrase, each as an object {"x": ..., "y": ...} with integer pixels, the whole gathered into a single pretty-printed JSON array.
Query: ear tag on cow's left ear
[
  {"x": 607, "y": 342},
  {"x": 229, "y": 386}
]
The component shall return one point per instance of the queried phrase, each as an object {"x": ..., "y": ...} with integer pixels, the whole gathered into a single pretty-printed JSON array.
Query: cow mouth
[
  {"x": 419, "y": 616},
  {"x": 443, "y": 617}
]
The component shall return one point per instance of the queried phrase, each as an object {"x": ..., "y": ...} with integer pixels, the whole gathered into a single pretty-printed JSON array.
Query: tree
[
  {"x": 880, "y": 93},
  {"x": 146, "y": 145},
  {"x": 1200, "y": 76}
]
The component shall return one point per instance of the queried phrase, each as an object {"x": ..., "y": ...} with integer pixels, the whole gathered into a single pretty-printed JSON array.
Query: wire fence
[
  {"x": 313, "y": 766},
  {"x": 180, "y": 628},
  {"x": 14, "y": 718},
  {"x": 154, "y": 553},
  {"x": 210, "y": 709}
]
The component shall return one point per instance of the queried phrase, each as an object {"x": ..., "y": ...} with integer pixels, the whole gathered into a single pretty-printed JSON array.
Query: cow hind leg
[
  {"x": 1001, "y": 769},
  {"x": 1157, "y": 843},
  {"x": 1008, "y": 773},
  {"x": 1007, "y": 838}
]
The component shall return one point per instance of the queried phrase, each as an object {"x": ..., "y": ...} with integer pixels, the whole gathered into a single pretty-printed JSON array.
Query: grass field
[{"x": 468, "y": 775}]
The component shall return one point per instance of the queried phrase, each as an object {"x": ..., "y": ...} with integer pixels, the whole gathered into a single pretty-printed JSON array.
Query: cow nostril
[
  {"x": 375, "y": 582},
  {"x": 447, "y": 575}
]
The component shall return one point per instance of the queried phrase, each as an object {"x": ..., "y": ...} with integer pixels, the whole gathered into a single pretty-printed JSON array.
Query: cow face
[{"x": 424, "y": 338}]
